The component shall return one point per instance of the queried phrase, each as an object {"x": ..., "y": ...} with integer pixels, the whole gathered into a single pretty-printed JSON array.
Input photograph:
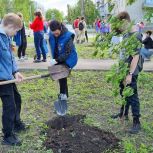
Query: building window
[{"x": 148, "y": 3}]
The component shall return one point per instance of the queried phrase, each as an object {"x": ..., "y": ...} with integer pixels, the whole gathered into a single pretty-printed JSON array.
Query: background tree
[
  {"x": 25, "y": 7},
  {"x": 54, "y": 14},
  {"x": 91, "y": 12}
]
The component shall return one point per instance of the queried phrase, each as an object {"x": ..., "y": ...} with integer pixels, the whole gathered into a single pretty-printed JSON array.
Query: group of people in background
[
  {"x": 80, "y": 28},
  {"x": 101, "y": 26}
]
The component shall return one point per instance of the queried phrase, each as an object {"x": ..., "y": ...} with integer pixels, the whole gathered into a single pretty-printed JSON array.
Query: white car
[{"x": 70, "y": 28}]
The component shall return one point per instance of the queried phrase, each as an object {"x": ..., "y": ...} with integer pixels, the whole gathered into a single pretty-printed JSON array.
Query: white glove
[{"x": 53, "y": 62}]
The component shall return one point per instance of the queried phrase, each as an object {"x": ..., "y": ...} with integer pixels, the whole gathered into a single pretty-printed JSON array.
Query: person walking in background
[
  {"x": 102, "y": 27},
  {"x": 38, "y": 28},
  {"x": 82, "y": 26},
  {"x": 86, "y": 31},
  {"x": 21, "y": 41},
  {"x": 76, "y": 28},
  {"x": 147, "y": 51},
  {"x": 140, "y": 27},
  {"x": 97, "y": 25}
]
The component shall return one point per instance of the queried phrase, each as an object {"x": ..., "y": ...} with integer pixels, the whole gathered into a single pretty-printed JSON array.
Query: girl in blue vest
[
  {"x": 63, "y": 51},
  {"x": 21, "y": 41}
]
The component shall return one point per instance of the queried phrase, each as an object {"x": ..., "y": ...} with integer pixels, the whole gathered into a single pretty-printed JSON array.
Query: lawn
[
  {"x": 89, "y": 95},
  {"x": 85, "y": 51}
]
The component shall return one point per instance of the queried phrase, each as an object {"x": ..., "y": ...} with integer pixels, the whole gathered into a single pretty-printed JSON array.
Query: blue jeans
[
  {"x": 146, "y": 53},
  {"x": 39, "y": 44}
]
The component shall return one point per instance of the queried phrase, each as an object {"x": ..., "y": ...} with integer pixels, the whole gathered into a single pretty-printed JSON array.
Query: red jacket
[
  {"x": 37, "y": 25},
  {"x": 76, "y": 23}
]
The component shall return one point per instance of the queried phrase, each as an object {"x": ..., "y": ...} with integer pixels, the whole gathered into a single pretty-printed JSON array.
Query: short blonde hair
[{"x": 12, "y": 19}]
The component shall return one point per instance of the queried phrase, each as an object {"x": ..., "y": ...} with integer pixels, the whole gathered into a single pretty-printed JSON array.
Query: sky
[{"x": 58, "y": 4}]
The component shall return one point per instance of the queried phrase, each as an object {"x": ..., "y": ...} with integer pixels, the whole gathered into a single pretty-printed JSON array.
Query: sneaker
[
  {"x": 136, "y": 126},
  {"x": 63, "y": 97},
  {"x": 37, "y": 61},
  {"x": 25, "y": 57},
  {"x": 11, "y": 140},
  {"x": 44, "y": 60},
  {"x": 19, "y": 127},
  {"x": 135, "y": 129},
  {"x": 21, "y": 59}
]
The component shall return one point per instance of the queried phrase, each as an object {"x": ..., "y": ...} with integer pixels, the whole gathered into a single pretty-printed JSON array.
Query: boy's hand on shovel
[{"x": 19, "y": 77}]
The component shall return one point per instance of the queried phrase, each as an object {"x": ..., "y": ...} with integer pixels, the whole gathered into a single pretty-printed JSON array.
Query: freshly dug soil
[{"x": 70, "y": 135}]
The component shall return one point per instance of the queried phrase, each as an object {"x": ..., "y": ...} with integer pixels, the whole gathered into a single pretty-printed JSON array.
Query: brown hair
[
  {"x": 82, "y": 18},
  {"x": 124, "y": 16},
  {"x": 12, "y": 18},
  {"x": 39, "y": 14}
]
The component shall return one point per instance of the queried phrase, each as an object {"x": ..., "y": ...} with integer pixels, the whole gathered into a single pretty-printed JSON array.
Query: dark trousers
[
  {"x": 22, "y": 48},
  {"x": 11, "y": 102},
  {"x": 86, "y": 34},
  {"x": 39, "y": 44},
  {"x": 132, "y": 101},
  {"x": 63, "y": 86}
]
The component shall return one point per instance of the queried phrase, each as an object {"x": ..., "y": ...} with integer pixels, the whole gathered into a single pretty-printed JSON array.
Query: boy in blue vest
[
  {"x": 9, "y": 94},
  {"x": 63, "y": 51}
]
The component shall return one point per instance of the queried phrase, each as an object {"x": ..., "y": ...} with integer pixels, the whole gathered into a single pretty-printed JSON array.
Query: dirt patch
[{"x": 70, "y": 135}]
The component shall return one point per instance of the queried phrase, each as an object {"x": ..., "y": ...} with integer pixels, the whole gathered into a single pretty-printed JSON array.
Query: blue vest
[
  {"x": 17, "y": 38},
  {"x": 62, "y": 40}
]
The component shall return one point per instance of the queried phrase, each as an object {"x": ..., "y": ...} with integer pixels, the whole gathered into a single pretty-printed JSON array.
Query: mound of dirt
[{"x": 70, "y": 135}]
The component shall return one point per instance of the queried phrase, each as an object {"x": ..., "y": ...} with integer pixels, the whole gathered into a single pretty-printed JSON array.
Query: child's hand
[
  {"x": 128, "y": 79},
  {"x": 13, "y": 48},
  {"x": 19, "y": 77}
]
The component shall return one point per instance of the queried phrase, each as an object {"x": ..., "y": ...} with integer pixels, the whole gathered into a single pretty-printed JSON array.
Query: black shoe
[
  {"x": 37, "y": 61},
  {"x": 11, "y": 140},
  {"x": 136, "y": 126},
  {"x": 19, "y": 127},
  {"x": 44, "y": 60}
]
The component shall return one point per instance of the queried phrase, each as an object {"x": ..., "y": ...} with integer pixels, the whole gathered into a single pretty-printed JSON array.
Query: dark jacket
[{"x": 148, "y": 43}]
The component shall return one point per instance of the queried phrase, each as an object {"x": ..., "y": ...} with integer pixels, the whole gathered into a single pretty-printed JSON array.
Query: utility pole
[{"x": 82, "y": 8}]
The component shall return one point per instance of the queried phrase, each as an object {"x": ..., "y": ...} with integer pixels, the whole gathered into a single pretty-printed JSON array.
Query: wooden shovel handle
[{"x": 25, "y": 79}]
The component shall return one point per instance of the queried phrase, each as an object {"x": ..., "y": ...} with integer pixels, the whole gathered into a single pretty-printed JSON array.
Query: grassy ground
[
  {"x": 90, "y": 95},
  {"x": 85, "y": 51}
]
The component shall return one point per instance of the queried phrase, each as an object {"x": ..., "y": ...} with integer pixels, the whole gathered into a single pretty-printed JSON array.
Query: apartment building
[{"x": 136, "y": 10}]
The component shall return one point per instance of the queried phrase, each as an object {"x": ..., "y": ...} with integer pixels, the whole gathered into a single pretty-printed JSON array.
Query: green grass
[
  {"x": 30, "y": 39},
  {"x": 85, "y": 51},
  {"x": 89, "y": 95}
]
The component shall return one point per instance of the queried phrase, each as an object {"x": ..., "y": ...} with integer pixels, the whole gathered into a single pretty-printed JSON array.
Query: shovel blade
[
  {"x": 59, "y": 71},
  {"x": 61, "y": 107}
]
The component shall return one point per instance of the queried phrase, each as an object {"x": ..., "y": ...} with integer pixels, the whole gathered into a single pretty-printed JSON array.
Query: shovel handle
[{"x": 25, "y": 79}]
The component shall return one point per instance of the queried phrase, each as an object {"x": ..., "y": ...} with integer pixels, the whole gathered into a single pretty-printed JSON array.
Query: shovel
[
  {"x": 61, "y": 107},
  {"x": 56, "y": 72}
]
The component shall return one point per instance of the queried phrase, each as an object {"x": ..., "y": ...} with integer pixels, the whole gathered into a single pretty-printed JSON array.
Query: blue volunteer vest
[{"x": 62, "y": 40}]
